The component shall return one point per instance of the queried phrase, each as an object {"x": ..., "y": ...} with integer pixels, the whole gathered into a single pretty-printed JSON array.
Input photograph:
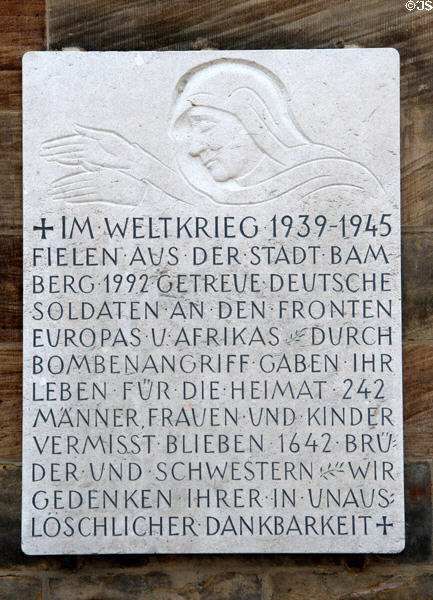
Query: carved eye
[
  {"x": 207, "y": 128},
  {"x": 205, "y": 125}
]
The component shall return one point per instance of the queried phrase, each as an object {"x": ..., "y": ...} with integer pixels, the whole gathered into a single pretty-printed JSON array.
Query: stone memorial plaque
[{"x": 212, "y": 334}]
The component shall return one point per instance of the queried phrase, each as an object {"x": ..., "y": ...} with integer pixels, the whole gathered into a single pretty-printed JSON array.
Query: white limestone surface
[{"x": 212, "y": 337}]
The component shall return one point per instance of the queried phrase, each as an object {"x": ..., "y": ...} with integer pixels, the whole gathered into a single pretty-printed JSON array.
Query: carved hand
[
  {"x": 104, "y": 185},
  {"x": 90, "y": 148}
]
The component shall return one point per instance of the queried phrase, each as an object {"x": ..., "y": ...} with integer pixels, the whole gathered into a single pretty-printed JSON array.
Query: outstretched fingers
[
  {"x": 71, "y": 180},
  {"x": 66, "y": 159},
  {"x": 73, "y": 187},
  {"x": 67, "y": 150},
  {"x": 79, "y": 196},
  {"x": 62, "y": 140}
]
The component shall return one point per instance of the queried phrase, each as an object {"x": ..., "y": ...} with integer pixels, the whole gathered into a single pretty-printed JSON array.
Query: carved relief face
[{"x": 221, "y": 142}]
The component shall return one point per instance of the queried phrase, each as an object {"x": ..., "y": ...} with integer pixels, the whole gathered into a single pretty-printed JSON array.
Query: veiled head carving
[{"x": 227, "y": 116}]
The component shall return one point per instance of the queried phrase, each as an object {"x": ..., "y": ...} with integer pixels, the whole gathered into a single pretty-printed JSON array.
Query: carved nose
[{"x": 196, "y": 146}]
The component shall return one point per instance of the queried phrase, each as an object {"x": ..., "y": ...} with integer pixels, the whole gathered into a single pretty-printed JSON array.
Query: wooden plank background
[{"x": 190, "y": 24}]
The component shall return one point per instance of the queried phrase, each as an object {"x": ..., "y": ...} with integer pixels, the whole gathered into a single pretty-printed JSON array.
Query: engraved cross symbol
[
  {"x": 384, "y": 524},
  {"x": 43, "y": 228}
]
